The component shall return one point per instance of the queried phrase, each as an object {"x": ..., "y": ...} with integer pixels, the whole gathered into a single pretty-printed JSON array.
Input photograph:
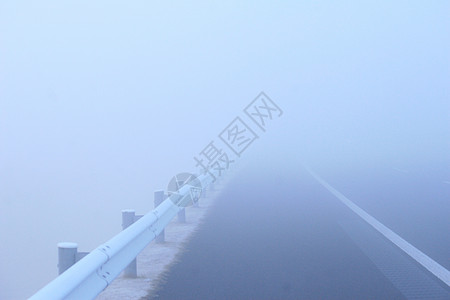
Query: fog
[{"x": 102, "y": 103}]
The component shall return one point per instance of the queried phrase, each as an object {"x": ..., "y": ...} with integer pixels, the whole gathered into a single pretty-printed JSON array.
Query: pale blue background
[{"x": 101, "y": 102}]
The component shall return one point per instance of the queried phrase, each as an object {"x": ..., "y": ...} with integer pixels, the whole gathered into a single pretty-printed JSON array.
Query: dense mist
[{"x": 101, "y": 103}]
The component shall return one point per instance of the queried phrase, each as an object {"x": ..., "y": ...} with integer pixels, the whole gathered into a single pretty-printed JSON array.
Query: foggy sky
[{"x": 102, "y": 103}]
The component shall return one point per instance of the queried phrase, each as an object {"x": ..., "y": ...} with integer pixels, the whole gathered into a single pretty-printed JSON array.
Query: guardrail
[{"x": 95, "y": 271}]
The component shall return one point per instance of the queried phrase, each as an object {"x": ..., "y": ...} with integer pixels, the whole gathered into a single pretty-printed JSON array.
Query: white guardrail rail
[{"x": 93, "y": 273}]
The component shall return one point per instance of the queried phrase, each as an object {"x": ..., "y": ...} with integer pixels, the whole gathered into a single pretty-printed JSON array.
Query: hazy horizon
[{"x": 102, "y": 103}]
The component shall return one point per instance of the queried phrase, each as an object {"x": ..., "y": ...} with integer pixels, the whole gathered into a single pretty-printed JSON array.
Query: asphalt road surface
[{"x": 278, "y": 234}]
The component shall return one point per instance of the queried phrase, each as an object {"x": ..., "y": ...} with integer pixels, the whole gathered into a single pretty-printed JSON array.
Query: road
[{"x": 276, "y": 233}]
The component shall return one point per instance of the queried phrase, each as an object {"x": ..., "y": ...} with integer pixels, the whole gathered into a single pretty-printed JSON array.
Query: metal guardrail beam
[{"x": 93, "y": 273}]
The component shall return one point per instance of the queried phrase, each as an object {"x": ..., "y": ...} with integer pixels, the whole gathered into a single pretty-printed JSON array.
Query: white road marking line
[{"x": 436, "y": 269}]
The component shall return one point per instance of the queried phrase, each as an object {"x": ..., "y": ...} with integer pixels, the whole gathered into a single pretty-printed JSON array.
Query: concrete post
[
  {"x": 181, "y": 213},
  {"x": 182, "y": 216},
  {"x": 159, "y": 197},
  {"x": 67, "y": 256},
  {"x": 128, "y": 218},
  {"x": 197, "y": 202}
]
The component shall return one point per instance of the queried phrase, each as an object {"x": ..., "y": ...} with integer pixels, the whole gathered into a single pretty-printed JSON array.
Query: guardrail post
[
  {"x": 86, "y": 278},
  {"x": 182, "y": 212},
  {"x": 67, "y": 256},
  {"x": 128, "y": 218},
  {"x": 182, "y": 216},
  {"x": 159, "y": 197},
  {"x": 196, "y": 203}
]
